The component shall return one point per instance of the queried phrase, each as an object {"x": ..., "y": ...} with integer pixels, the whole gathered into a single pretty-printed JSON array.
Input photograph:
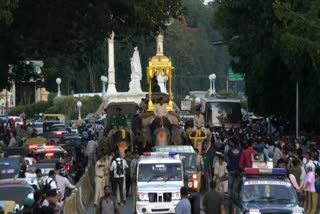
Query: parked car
[{"x": 38, "y": 126}]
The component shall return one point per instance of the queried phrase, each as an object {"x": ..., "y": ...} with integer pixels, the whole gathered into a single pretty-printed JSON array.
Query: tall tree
[{"x": 277, "y": 45}]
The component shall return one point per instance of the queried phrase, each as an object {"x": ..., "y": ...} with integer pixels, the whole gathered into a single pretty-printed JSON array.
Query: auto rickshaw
[{"x": 33, "y": 143}]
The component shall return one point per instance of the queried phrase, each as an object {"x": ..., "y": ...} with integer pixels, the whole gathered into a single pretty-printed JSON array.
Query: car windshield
[
  {"x": 15, "y": 193},
  {"x": 45, "y": 168},
  {"x": 160, "y": 172},
  {"x": 269, "y": 191},
  {"x": 9, "y": 168},
  {"x": 38, "y": 125},
  {"x": 58, "y": 128},
  {"x": 188, "y": 161}
]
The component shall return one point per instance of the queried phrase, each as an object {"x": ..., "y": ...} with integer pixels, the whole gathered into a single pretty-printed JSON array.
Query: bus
[{"x": 221, "y": 112}]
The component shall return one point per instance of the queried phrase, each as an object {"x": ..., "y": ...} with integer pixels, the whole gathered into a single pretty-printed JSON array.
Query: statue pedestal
[{"x": 134, "y": 85}]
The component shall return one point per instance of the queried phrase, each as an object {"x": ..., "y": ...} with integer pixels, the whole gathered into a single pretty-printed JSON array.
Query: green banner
[{"x": 234, "y": 76}]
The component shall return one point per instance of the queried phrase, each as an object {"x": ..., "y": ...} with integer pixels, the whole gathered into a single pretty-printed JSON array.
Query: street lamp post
[
  {"x": 212, "y": 78},
  {"x": 79, "y": 104},
  {"x": 104, "y": 81},
  {"x": 58, "y": 81}
]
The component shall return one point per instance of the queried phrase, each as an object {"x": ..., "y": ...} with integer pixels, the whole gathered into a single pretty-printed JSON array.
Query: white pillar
[
  {"x": 58, "y": 81},
  {"x": 160, "y": 43},
  {"x": 111, "y": 70},
  {"x": 13, "y": 93}
]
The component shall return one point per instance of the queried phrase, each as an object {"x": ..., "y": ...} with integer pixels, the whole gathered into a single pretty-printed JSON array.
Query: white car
[
  {"x": 160, "y": 177},
  {"x": 38, "y": 126}
]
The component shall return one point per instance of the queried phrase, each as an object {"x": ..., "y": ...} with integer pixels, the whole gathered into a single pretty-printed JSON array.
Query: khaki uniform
[{"x": 99, "y": 180}]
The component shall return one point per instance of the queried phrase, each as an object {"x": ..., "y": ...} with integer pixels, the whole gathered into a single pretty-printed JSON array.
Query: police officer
[{"x": 99, "y": 178}]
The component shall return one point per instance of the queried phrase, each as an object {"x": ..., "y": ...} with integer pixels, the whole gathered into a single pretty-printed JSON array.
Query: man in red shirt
[{"x": 245, "y": 159}]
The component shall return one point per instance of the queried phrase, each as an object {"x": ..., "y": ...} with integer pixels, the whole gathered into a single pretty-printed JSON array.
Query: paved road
[{"x": 124, "y": 209}]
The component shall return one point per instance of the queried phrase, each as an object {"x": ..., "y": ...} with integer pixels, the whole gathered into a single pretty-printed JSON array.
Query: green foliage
[
  {"x": 31, "y": 29},
  {"x": 60, "y": 105},
  {"x": 31, "y": 109},
  {"x": 277, "y": 45},
  {"x": 226, "y": 93}
]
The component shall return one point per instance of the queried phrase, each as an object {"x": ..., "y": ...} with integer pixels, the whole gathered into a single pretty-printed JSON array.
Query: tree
[
  {"x": 277, "y": 45},
  {"x": 40, "y": 28}
]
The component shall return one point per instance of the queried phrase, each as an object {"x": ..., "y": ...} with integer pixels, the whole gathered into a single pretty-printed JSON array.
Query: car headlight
[
  {"x": 176, "y": 196},
  {"x": 143, "y": 196}
]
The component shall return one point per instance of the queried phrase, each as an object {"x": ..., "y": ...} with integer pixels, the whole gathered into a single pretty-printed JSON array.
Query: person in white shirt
[
  {"x": 51, "y": 180},
  {"x": 160, "y": 109},
  {"x": 118, "y": 167},
  {"x": 62, "y": 182},
  {"x": 91, "y": 151}
]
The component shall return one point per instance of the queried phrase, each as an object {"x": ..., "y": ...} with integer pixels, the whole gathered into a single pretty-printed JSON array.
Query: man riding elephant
[
  {"x": 199, "y": 133},
  {"x": 119, "y": 136}
]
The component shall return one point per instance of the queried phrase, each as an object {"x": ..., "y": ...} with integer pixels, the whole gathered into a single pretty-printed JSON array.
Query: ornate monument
[
  {"x": 160, "y": 65},
  {"x": 136, "y": 73}
]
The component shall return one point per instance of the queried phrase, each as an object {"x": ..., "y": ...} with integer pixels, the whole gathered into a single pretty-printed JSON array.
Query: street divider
[
  {"x": 80, "y": 198},
  {"x": 311, "y": 202}
]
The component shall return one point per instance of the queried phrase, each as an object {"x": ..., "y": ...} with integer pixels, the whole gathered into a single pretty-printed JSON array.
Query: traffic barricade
[
  {"x": 311, "y": 202},
  {"x": 69, "y": 205},
  {"x": 87, "y": 190}
]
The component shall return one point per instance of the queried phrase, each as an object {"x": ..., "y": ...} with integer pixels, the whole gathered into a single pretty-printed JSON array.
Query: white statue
[{"x": 136, "y": 72}]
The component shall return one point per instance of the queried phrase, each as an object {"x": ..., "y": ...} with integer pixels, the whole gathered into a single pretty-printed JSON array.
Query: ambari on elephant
[
  {"x": 161, "y": 131},
  {"x": 200, "y": 139}
]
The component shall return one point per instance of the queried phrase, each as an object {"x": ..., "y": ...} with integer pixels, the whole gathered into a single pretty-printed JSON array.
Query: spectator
[
  {"x": 51, "y": 180},
  {"x": 295, "y": 169},
  {"x": 12, "y": 142},
  {"x": 118, "y": 167},
  {"x": 91, "y": 151},
  {"x": 309, "y": 180},
  {"x": 206, "y": 171},
  {"x": 27, "y": 206},
  {"x": 107, "y": 203},
  {"x": 128, "y": 158},
  {"x": 62, "y": 182},
  {"x": 234, "y": 155},
  {"x": 213, "y": 201},
  {"x": 22, "y": 173},
  {"x": 317, "y": 182},
  {"x": 184, "y": 206},
  {"x": 37, "y": 196},
  {"x": 245, "y": 159}
]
